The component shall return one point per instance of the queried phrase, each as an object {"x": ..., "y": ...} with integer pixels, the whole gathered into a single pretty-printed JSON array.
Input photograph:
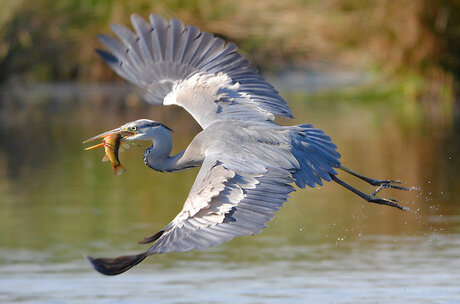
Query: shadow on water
[{"x": 325, "y": 245}]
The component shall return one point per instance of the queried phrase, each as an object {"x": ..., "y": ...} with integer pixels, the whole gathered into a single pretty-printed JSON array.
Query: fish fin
[
  {"x": 121, "y": 149},
  {"x": 117, "y": 265},
  {"x": 125, "y": 145},
  {"x": 118, "y": 169},
  {"x": 105, "y": 158}
]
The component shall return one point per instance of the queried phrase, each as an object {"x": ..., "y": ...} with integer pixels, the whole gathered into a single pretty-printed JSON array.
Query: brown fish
[{"x": 111, "y": 144}]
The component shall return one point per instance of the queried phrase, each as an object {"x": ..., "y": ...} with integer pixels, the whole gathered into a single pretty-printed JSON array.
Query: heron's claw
[
  {"x": 379, "y": 182},
  {"x": 389, "y": 185},
  {"x": 384, "y": 184},
  {"x": 385, "y": 201}
]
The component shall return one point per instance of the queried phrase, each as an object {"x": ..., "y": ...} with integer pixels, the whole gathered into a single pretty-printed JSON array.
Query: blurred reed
[{"x": 411, "y": 44}]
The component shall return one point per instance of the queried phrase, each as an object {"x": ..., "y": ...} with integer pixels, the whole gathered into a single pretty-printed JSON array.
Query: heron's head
[{"x": 141, "y": 129}]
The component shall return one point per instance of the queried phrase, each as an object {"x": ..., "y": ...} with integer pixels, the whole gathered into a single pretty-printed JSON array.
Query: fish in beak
[
  {"x": 123, "y": 131},
  {"x": 112, "y": 143}
]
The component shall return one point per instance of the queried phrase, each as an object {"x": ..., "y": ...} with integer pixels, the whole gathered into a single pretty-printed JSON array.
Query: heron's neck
[{"x": 158, "y": 156}]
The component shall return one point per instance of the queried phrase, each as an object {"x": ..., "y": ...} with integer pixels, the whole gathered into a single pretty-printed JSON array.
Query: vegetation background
[{"x": 411, "y": 47}]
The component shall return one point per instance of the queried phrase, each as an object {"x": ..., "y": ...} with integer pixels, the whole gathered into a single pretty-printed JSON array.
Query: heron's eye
[{"x": 134, "y": 128}]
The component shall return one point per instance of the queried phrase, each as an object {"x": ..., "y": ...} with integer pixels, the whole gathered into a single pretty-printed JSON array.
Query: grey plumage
[{"x": 248, "y": 162}]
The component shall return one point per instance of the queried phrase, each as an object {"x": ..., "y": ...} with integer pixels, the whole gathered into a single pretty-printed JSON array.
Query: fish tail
[{"x": 118, "y": 169}]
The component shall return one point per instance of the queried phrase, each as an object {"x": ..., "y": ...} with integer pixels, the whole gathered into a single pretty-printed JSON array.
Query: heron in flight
[{"x": 248, "y": 162}]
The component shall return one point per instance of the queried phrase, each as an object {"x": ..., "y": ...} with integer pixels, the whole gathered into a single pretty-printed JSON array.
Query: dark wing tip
[
  {"x": 116, "y": 266},
  {"x": 287, "y": 112},
  {"x": 109, "y": 58},
  {"x": 152, "y": 238}
]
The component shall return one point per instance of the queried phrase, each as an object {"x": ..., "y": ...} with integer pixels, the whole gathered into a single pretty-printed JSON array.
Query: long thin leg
[
  {"x": 384, "y": 183},
  {"x": 371, "y": 198}
]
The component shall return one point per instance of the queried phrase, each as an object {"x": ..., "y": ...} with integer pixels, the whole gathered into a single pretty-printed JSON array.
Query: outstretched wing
[
  {"x": 225, "y": 202},
  {"x": 181, "y": 65},
  {"x": 228, "y": 199}
]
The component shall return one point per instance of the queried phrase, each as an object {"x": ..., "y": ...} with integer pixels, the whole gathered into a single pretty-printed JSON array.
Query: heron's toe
[{"x": 386, "y": 201}]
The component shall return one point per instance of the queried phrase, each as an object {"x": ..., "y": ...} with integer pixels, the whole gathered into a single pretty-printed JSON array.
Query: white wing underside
[
  {"x": 174, "y": 64},
  {"x": 225, "y": 201}
]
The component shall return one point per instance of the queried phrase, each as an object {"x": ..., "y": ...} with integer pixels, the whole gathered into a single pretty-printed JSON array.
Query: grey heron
[{"x": 248, "y": 162}]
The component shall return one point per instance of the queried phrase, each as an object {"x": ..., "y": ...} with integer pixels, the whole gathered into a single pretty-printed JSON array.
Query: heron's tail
[
  {"x": 316, "y": 154},
  {"x": 118, "y": 265}
]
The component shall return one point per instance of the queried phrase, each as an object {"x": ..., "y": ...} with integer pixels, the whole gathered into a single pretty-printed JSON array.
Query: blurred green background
[{"x": 410, "y": 47}]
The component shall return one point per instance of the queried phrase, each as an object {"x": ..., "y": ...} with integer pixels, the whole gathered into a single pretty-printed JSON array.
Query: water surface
[{"x": 326, "y": 245}]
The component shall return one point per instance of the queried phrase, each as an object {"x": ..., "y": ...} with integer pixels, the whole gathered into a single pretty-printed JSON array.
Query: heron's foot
[
  {"x": 372, "y": 198},
  {"x": 384, "y": 201},
  {"x": 382, "y": 183},
  {"x": 385, "y": 184}
]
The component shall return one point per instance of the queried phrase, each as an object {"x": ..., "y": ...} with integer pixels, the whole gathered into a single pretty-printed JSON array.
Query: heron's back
[{"x": 304, "y": 150}]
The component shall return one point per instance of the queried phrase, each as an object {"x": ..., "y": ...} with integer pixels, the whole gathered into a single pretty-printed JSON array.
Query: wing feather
[
  {"x": 129, "y": 40},
  {"x": 159, "y": 27},
  {"x": 232, "y": 202},
  {"x": 143, "y": 30},
  {"x": 162, "y": 58}
]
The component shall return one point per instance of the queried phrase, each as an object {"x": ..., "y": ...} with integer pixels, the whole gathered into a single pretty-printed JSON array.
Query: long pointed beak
[{"x": 102, "y": 135}]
